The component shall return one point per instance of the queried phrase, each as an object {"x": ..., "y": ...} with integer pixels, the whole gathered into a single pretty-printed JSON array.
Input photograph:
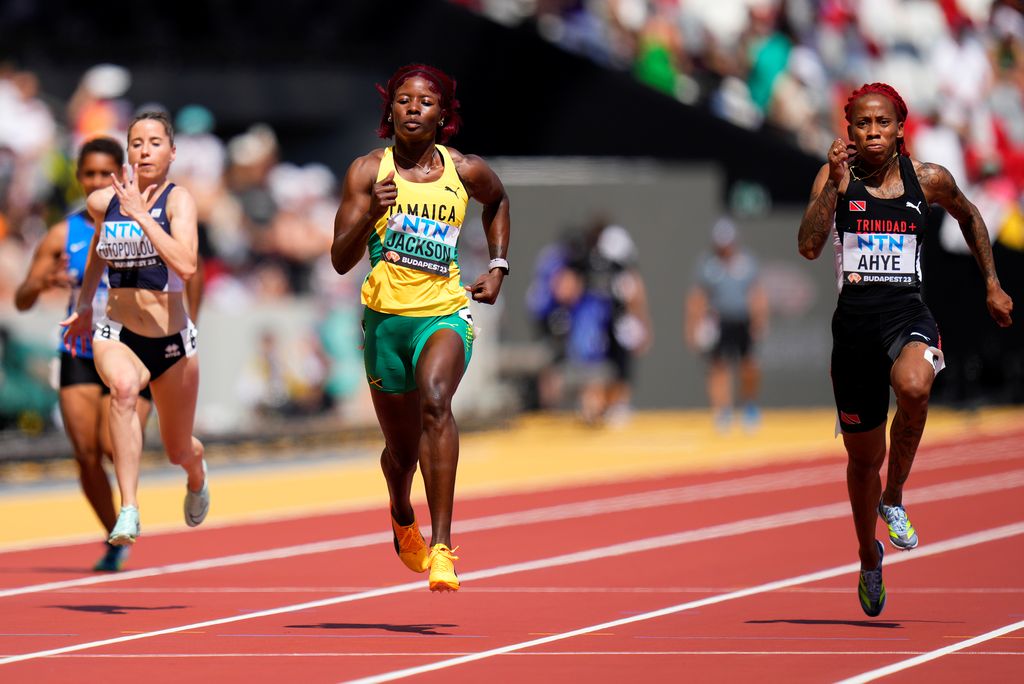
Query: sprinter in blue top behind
[{"x": 59, "y": 262}]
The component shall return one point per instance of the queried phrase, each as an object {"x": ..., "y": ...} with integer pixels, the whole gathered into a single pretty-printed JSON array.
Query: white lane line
[
  {"x": 939, "y": 457},
  {"x": 531, "y": 654},
  {"x": 691, "y": 493},
  {"x": 933, "y": 549},
  {"x": 751, "y": 484},
  {"x": 933, "y": 655},
  {"x": 600, "y": 553},
  {"x": 529, "y": 590},
  {"x": 665, "y": 497}
]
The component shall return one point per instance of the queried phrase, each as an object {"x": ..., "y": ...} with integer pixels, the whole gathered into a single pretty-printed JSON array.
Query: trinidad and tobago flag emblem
[{"x": 858, "y": 205}]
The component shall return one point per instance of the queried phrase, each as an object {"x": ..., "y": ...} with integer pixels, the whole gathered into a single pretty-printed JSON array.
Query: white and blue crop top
[{"x": 131, "y": 258}]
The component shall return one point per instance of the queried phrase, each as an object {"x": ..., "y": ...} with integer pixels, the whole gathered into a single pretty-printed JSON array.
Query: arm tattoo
[
  {"x": 818, "y": 218},
  {"x": 940, "y": 186}
]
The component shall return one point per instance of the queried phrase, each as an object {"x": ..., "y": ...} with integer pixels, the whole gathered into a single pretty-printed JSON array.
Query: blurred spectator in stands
[
  {"x": 27, "y": 140},
  {"x": 590, "y": 305},
  {"x": 97, "y": 107},
  {"x": 552, "y": 295},
  {"x": 613, "y": 276},
  {"x": 252, "y": 156},
  {"x": 200, "y": 158},
  {"x": 726, "y": 314},
  {"x": 26, "y": 396},
  {"x": 301, "y": 231},
  {"x": 263, "y": 385}
]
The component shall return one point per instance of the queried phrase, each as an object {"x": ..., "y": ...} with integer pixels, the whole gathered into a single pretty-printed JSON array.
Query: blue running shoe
[
  {"x": 751, "y": 418},
  {"x": 127, "y": 529},
  {"x": 902, "y": 534},
  {"x": 197, "y": 504},
  {"x": 112, "y": 559},
  {"x": 871, "y": 588}
]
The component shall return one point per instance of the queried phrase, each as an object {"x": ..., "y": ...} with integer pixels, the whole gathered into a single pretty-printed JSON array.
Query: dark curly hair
[
  {"x": 887, "y": 91},
  {"x": 101, "y": 145},
  {"x": 441, "y": 82}
]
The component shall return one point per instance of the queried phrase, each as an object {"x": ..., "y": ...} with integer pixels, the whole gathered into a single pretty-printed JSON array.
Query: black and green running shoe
[{"x": 871, "y": 588}]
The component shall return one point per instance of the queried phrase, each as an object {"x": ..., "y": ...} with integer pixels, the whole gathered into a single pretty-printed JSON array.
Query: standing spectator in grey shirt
[{"x": 726, "y": 313}]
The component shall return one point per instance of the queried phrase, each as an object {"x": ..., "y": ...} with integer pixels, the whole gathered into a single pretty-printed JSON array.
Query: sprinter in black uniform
[{"x": 877, "y": 197}]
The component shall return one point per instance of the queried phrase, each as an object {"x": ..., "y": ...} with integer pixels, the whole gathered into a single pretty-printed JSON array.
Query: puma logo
[
  {"x": 915, "y": 207},
  {"x": 454, "y": 191}
]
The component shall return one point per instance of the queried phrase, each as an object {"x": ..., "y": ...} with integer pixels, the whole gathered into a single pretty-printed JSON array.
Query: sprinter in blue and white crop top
[{"x": 131, "y": 259}]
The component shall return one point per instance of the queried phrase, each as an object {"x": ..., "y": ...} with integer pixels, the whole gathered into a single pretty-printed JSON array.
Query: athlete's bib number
[{"x": 879, "y": 258}]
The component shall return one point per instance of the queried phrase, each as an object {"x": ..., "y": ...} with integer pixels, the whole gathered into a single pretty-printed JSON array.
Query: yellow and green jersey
[{"x": 413, "y": 248}]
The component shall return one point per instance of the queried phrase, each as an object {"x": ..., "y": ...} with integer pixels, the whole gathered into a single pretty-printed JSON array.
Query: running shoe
[
  {"x": 197, "y": 504},
  {"x": 410, "y": 547},
  {"x": 112, "y": 559},
  {"x": 127, "y": 529},
  {"x": 723, "y": 420},
  {"x": 442, "y": 569},
  {"x": 902, "y": 534},
  {"x": 751, "y": 418},
  {"x": 871, "y": 588}
]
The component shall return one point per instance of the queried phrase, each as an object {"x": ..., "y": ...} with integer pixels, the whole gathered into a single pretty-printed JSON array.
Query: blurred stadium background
[{"x": 659, "y": 116}]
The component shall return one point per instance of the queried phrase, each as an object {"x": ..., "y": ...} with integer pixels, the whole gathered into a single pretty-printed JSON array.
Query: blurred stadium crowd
[
  {"x": 787, "y": 66},
  {"x": 265, "y": 229},
  {"x": 783, "y": 67},
  {"x": 266, "y": 224}
]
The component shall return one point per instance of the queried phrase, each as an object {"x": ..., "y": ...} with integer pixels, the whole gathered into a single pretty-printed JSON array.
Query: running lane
[{"x": 641, "y": 545}]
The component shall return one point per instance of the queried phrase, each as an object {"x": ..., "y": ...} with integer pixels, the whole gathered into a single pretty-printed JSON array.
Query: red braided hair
[
  {"x": 440, "y": 82},
  {"x": 886, "y": 91}
]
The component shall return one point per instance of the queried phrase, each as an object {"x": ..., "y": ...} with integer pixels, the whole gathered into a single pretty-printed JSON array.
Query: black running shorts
[
  {"x": 156, "y": 353},
  {"x": 734, "y": 341},
  {"x": 864, "y": 347},
  {"x": 77, "y": 370}
]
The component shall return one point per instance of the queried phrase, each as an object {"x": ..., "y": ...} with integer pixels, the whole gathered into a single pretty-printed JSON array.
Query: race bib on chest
[
  {"x": 421, "y": 244},
  {"x": 124, "y": 245},
  {"x": 879, "y": 258}
]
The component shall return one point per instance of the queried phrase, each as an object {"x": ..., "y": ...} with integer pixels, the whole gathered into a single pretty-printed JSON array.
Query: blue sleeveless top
[
  {"x": 131, "y": 258},
  {"x": 76, "y": 246}
]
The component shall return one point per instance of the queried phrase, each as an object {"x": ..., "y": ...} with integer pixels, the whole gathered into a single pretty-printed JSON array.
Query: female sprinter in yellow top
[{"x": 406, "y": 204}]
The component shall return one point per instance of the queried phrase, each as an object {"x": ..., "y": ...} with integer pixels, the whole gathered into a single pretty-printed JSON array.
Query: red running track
[{"x": 726, "y": 576}]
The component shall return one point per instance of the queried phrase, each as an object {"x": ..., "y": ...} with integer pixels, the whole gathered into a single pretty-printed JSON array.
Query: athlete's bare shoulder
[
  {"x": 98, "y": 201},
  {"x": 935, "y": 179},
  {"x": 179, "y": 193},
  {"x": 366, "y": 166},
  {"x": 463, "y": 160},
  {"x": 180, "y": 202},
  {"x": 470, "y": 167}
]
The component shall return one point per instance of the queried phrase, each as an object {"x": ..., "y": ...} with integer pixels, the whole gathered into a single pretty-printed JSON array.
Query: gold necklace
[
  {"x": 425, "y": 168},
  {"x": 880, "y": 168}
]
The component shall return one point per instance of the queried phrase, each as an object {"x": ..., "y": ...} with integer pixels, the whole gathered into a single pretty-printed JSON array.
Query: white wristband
[{"x": 498, "y": 263}]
